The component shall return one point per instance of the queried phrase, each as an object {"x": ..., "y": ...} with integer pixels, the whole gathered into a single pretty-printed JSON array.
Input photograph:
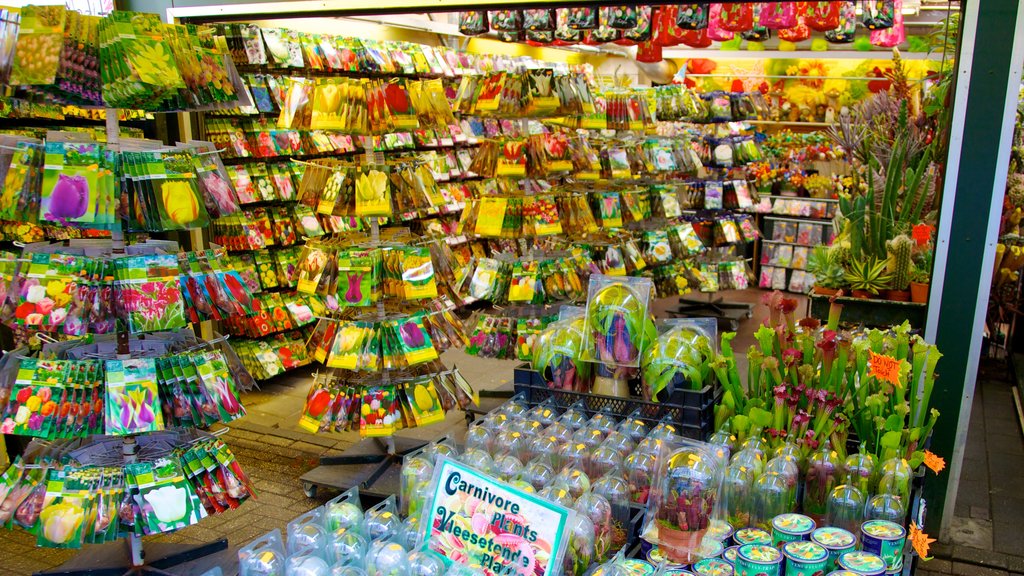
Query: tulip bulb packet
[
  {"x": 132, "y": 399},
  {"x": 163, "y": 497},
  {"x": 219, "y": 385}
]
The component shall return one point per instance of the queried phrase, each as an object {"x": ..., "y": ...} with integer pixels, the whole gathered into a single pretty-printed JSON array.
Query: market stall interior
[{"x": 566, "y": 289}]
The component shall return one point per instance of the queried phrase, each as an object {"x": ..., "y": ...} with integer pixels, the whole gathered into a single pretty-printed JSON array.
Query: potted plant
[
  {"x": 920, "y": 280},
  {"x": 867, "y": 277},
  {"x": 823, "y": 263},
  {"x": 900, "y": 264},
  {"x": 681, "y": 512}
]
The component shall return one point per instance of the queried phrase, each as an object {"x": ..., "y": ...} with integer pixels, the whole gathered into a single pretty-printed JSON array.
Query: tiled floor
[{"x": 275, "y": 454}]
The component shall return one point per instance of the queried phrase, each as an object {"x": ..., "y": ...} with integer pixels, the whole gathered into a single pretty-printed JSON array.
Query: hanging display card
[{"x": 505, "y": 531}]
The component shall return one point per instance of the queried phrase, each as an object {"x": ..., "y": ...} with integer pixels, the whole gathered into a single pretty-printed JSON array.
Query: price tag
[
  {"x": 934, "y": 462},
  {"x": 885, "y": 368},
  {"x": 922, "y": 233},
  {"x": 919, "y": 541}
]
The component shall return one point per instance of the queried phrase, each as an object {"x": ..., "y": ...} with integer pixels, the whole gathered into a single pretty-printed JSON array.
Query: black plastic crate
[{"x": 691, "y": 411}]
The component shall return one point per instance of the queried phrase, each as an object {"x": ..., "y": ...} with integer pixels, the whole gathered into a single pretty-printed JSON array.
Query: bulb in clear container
[
  {"x": 558, "y": 494},
  {"x": 478, "y": 459},
  {"x": 603, "y": 460},
  {"x": 387, "y": 559},
  {"x": 640, "y": 469},
  {"x": 347, "y": 547},
  {"x": 635, "y": 428},
  {"x": 574, "y": 455},
  {"x": 382, "y": 524},
  {"x": 574, "y": 418},
  {"x": 479, "y": 437},
  {"x": 616, "y": 491},
  {"x": 619, "y": 441},
  {"x": 512, "y": 442},
  {"x": 538, "y": 473},
  {"x": 306, "y": 539},
  {"x": 580, "y": 553},
  {"x": 307, "y": 565},
  {"x": 425, "y": 564},
  {"x": 845, "y": 508},
  {"x": 416, "y": 476},
  {"x": 753, "y": 459}
]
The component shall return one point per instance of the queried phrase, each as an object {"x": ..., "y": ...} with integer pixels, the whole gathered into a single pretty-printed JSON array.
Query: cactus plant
[{"x": 900, "y": 262}]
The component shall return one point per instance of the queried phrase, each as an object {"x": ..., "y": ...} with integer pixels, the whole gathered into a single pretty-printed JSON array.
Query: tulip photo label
[{"x": 474, "y": 519}]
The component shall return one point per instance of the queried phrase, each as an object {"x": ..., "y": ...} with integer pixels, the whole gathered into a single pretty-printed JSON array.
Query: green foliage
[
  {"x": 824, "y": 263},
  {"x": 900, "y": 261}
]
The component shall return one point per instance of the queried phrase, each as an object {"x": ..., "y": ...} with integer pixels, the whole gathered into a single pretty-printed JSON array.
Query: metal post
[{"x": 987, "y": 79}]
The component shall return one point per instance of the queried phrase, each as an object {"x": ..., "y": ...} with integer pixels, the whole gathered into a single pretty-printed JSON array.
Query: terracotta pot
[
  {"x": 919, "y": 292},
  {"x": 864, "y": 294},
  {"x": 680, "y": 545},
  {"x": 898, "y": 295},
  {"x": 825, "y": 291}
]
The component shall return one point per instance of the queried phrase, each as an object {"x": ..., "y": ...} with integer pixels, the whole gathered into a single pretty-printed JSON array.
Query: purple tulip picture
[{"x": 69, "y": 199}]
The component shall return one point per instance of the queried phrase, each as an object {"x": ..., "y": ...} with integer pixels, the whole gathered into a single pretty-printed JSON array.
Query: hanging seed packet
[
  {"x": 846, "y": 31},
  {"x": 895, "y": 34},
  {"x": 379, "y": 411},
  {"x": 693, "y": 16},
  {"x": 163, "y": 495},
  {"x": 506, "y": 20},
  {"x": 213, "y": 372},
  {"x": 539, "y": 20},
  {"x": 621, "y": 17},
  {"x": 757, "y": 32},
  {"x": 37, "y": 52},
  {"x": 777, "y": 15},
  {"x": 424, "y": 402},
  {"x": 643, "y": 31},
  {"x": 737, "y": 17},
  {"x": 821, "y": 16},
  {"x": 564, "y": 33},
  {"x": 415, "y": 342},
  {"x": 70, "y": 188},
  {"x": 148, "y": 292},
  {"x": 878, "y": 14},
  {"x": 583, "y": 18},
  {"x": 132, "y": 399},
  {"x": 417, "y": 273}
]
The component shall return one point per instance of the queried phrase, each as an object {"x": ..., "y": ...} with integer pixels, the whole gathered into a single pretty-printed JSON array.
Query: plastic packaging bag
[
  {"x": 777, "y": 15},
  {"x": 472, "y": 23},
  {"x": 821, "y": 16},
  {"x": 692, "y": 16},
  {"x": 737, "y": 17},
  {"x": 845, "y": 31},
  {"x": 894, "y": 35},
  {"x": 879, "y": 14}
]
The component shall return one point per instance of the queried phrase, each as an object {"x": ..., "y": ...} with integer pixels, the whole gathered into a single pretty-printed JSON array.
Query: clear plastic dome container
[
  {"x": 516, "y": 407},
  {"x": 307, "y": 565},
  {"x": 788, "y": 448},
  {"x": 507, "y": 466},
  {"x": 478, "y": 459},
  {"x": 559, "y": 430},
  {"x": 674, "y": 360},
  {"x": 479, "y": 437},
  {"x": 620, "y": 441},
  {"x": 387, "y": 559},
  {"x": 558, "y": 494},
  {"x": 635, "y": 428},
  {"x": 338, "y": 570},
  {"x": 615, "y": 490},
  {"x": 663, "y": 431},
  {"x": 845, "y": 508},
  {"x": 575, "y": 480},
  {"x": 382, "y": 524},
  {"x": 546, "y": 447},
  {"x": 751, "y": 458},
  {"x": 681, "y": 509},
  {"x": 604, "y": 421},
  {"x": 537, "y": 473},
  {"x": 824, "y": 470},
  {"x": 723, "y": 438},
  {"x": 580, "y": 553},
  {"x": 603, "y": 460},
  {"x": 347, "y": 547},
  {"x": 785, "y": 465},
  {"x": 861, "y": 470},
  {"x": 589, "y": 436},
  {"x": 544, "y": 412},
  {"x": 773, "y": 494},
  {"x": 885, "y": 507},
  {"x": 575, "y": 417},
  {"x": 896, "y": 476},
  {"x": 422, "y": 563},
  {"x": 512, "y": 442},
  {"x": 755, "y": 442},
  {"x": 640, "y": 468},
  {"x": 737, "y": 491},
  {"x": 417, "y": 473},
  {"x": 574, "y": 455},
  {"x": 599, "y": 510}
]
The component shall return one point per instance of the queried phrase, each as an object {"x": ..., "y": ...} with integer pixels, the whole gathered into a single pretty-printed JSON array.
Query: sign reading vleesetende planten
[{"x": 479, "y": 521}]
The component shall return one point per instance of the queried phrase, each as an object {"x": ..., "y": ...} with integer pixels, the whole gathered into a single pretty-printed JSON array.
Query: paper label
[{"x": 486, "y": 524}]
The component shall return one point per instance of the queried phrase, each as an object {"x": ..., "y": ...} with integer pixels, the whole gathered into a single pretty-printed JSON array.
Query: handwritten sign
[
  {"x": 486, "y": 524},
  {"x": 885, "y": 368},
  {"x": 922, "y": 234},
  {"x": 934, "y": 462},
  {"x": 919, "y": 541}
]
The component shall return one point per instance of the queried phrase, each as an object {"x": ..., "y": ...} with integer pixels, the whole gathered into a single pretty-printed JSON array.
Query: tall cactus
[{"x": 900, "y": 263}]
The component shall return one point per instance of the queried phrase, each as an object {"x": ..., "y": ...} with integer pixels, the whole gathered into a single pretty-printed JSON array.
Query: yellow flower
[{"x": 55, "y": 288}]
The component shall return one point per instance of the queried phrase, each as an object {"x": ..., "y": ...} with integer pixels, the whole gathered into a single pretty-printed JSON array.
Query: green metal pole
[{"x": 988, "y": 78}]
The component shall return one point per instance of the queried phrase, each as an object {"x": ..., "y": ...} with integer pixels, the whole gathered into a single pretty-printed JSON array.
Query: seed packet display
[
  {"x": 767, "y": 254},
  {"x": 70, "y": 190},
  {"x": 379, "y": 411},
  {"x": 424, "y": 403},
  {"x": 713, "y": 195},
  {"x": 213, "y": 372},
  {"x": 798, "y": 281},
  {"x": 784, "y": 231},
  {"x": 132, "y": 399},
  {"x": 808, "y": 234},
  {"x": 783, "y": 255},
  {"x": 765, "y": 278}
]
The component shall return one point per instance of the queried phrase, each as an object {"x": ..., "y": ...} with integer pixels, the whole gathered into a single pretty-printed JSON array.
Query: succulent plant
[
  {"x": 900, "y": 262},
  {"x": 868, "y": 274},
  {"x": 825, "y": 264}
]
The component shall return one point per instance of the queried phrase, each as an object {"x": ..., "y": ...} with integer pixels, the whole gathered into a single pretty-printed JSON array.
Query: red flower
[{"x": 24, "y": 309}]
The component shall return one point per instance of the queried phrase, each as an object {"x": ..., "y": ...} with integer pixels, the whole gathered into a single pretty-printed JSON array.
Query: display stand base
[
  {"x": 114, "y": 559},
  {"x": 350, "y": 469},
  {"x": 728, "y": 314}
]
